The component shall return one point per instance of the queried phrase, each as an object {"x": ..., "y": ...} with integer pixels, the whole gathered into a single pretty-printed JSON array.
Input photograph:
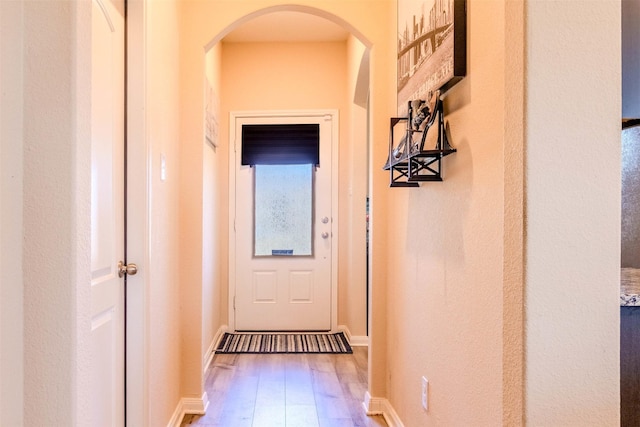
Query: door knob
[
  {"x": 325, "y": 220},
  {"x": 325, "y": 235},
  {"x": 129, "y": 269}
]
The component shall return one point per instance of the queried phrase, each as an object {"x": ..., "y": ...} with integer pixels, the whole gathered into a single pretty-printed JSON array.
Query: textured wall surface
[
  {"x": 213, "y": 263},
  {"x": 446, "y": 256},
  {"x": 11, "y": 284},
  {"x": 573, "y": 213},
  {"x": 56, "y": 216},
  {"x": 163, "y": 142}
]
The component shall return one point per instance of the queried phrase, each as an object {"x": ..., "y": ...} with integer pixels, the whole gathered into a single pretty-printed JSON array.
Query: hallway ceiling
[{"x": 287, "y": 27}]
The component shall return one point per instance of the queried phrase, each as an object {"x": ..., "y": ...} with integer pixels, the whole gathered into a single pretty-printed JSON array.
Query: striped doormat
[{"x": 284, "y": 343}]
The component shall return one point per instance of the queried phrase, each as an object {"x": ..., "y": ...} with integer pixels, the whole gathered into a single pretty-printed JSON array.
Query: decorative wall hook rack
[{"x": 409, "y": 163}]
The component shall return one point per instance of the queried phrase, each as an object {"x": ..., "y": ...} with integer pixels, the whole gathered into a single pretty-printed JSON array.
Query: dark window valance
[{"x": 281, "y": 144}]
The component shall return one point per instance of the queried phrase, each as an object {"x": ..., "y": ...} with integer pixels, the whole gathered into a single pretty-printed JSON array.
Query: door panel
[
  {"x": 284, "y": 292},
  {"x": 107, "y": 213},
  {"x": 301, "y": 287},
  {"x": 265, "y": 287}
]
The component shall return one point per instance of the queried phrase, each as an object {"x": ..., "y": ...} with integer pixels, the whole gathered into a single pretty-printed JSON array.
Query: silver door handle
[
  {"x": 129, "y": 269},
  {"x": 325, "y": 235},
  {"x": 325, "y": 220}
]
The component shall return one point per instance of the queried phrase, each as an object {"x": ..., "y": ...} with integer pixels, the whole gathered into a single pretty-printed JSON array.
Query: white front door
[
  {"x": 284, "y": 229},
  {"x": 107, "y": 212}
]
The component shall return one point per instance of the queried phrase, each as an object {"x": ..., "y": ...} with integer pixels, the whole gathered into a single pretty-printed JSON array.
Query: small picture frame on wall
[
  {"x": 211, "y": 112},
  {"x": 432, "y": 48}
]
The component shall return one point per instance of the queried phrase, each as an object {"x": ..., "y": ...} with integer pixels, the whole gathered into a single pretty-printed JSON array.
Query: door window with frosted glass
[{"x": 283, "y": 206}]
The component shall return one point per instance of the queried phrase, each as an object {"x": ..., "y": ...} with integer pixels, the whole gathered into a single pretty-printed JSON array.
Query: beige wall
[
  {"x": 11, "y": 283},
  {"x": 352, "y": 309},
  {"x": 513, "y": 339},
  {"x": 456, "y": 291},
  {"x": 446, "y": 254},
  {"x": 163, "y": 140},
  {"x": 213, "y": 260},
  {"x": 299, "y": 76},
  {"x": 191, "y": 212},
  {"x": 573, "y": 213},
  {"x": 46, "y": 121}
]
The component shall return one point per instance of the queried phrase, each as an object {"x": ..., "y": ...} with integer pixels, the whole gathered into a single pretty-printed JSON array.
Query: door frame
[
  {"x": 328, "y": 114},
  {"x": 137, "y": 201}
]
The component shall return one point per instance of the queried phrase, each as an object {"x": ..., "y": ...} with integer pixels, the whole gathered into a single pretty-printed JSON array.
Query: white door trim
[
  {"x": 335, "y": 134},
  {"x": 138, "y": 169}
]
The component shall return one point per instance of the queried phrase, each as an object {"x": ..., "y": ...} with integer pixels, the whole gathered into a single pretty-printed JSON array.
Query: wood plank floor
[{"x": 287, "y": 390}]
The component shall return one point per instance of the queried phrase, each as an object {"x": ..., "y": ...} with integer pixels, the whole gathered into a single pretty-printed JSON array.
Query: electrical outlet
[{"x": 425, "y": 393}]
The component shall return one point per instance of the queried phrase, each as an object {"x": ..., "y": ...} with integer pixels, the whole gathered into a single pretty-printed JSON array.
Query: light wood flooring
[{"x": 287, "y": 390}]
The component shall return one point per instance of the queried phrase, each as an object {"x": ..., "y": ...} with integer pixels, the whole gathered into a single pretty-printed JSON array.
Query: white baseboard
[
  {"x": 211, "y": 351},
  {"x": 208, "y": 356},
  {"x": 381, "y": 406},
  {"x": 354, "y": 340},
  {"x": 194, "y": 405},
  {"x": 189, "y": 405}
]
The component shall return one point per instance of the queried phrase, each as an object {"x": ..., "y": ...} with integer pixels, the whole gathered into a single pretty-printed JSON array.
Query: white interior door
[
  {"x": 107, "y": 212},
  {"x": 277, "y": 287}
]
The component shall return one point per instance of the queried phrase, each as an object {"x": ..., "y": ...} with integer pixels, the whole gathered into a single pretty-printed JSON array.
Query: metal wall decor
[{"x": 409, "y": 161}]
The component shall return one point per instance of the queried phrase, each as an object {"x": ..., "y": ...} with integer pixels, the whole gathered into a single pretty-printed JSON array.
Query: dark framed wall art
[{"x": 432, "y": 48}]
